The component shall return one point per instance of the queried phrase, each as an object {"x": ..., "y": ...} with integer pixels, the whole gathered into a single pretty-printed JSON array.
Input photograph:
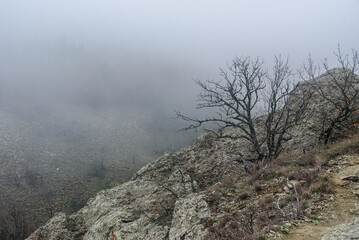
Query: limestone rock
[
  {"x": 187, "y": 218},
  {"x": 55, "y": 224},
  {"x": 347, "y": 231}
]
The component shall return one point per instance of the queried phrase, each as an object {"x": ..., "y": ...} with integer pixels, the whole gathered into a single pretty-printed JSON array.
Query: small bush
[
  {"x": 260, "y": 173},
  {"x": 294, "y": 175},
  {"x": 227, "y": 181},
  {"x": 243, "y": 195},
  {"x": 322, "y": 187},
  {"x": 306, "y": 195},
  {"x": 308, "y": 176},
  {"x": 228, "y": 228},
  {"x": 306, "y": 160},
  {"x": 305, "y": 204},
  {"x": 257, "y": 187}
]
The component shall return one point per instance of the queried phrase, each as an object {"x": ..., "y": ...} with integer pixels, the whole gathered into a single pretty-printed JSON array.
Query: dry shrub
[
  {"x": 227, "y": 181},
  {"x": 308, "y": 176},
  {"x": 228, "y": 228},
  {"x": 282, "y": 170},
  {"x": 243, "y": 196},
  {"x": 321, "y": 161},
  {"x": 206, "y": 140},
  {"x": 265, "y": 202},
  {"x": 299, "y": 188},
  {"x": 319, "y": 155},
  {"x": 322, "y": 187},
  {"x": 306, "y": 195},
  {"x": 347, "y": 146},
  {"x": 298, "y": 158},
  {"x": 304, "y": 204},
  {"x": 306, "y": 160},
  {"x": 262, "y": 174},
  {"x": 214, "y": 196},
  {"x": 163, "y": 208},
  {"x": 262, "y": 203},
  {"x": 286, "y": 158},
  {"x": 294, "y": 175},
  {"x": 257, "y": 187},
  {"x": 269, "y": 199},
  {"x": 303, "y": 157}
]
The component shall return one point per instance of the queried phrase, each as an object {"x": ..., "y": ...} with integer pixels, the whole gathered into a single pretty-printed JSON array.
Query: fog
[
  {"x": 145, "y": 53},
  {"x": 88, "y": 88}
]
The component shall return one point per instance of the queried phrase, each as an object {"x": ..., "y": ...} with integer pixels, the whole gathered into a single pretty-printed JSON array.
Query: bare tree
[
  {"x": 286, "y": 106},
  {"x": 340, "y": 92},
  {"x": 13, "y": 223},
  {"x": 238, "y": 98}
]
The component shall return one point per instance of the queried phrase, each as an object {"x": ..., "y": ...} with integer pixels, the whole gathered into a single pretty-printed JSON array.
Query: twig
[{"x": 280, "y": 208}]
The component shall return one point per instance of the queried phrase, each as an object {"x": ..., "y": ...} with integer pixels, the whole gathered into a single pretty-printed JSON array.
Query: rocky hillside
[{"x": 205, "y": 192}]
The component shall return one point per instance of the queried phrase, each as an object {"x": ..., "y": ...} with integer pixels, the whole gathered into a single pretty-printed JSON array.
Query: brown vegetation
[{"x": 281, "y": 192}]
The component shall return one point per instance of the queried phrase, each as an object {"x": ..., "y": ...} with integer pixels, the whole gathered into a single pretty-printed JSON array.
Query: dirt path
[{"x": 343, "y": 207}]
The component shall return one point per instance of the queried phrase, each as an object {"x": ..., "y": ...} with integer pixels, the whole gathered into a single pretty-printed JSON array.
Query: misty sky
[{"x": 121, "y": 49}]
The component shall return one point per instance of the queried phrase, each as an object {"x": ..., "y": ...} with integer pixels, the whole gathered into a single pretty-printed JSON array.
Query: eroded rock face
[
  {"x": 347, "y": 231},
  {"x": 157, "y": 203}
]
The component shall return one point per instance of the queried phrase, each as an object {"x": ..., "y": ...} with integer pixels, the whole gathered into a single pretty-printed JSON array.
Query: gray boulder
[{"x": 346, "y": 231}]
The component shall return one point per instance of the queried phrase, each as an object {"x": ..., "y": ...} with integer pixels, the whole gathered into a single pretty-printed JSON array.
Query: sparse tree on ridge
[{"x": 240, "y": 96}]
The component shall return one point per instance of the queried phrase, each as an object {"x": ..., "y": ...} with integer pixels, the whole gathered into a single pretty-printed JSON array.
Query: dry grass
[
  {"x": 307, "y": 169},
  {"x": 257, "y": 187},
  {"x": 228, "y": 228},
  {"x": 347, "y": 146}
]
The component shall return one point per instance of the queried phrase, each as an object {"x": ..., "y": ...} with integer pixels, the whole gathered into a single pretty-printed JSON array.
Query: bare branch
[{"x": 236, "y": 97}]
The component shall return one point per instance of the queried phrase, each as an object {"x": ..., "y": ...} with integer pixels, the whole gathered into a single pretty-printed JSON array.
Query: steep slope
[{"x": 204, "y": 192}]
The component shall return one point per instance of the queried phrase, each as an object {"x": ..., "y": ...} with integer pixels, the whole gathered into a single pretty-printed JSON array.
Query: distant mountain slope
[{"x": 54, "y": 159}]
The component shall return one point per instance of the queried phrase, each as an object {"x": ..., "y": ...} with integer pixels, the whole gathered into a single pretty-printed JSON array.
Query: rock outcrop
[
  {"x": 346, "y": 231},
  {"x": 160, "y": 202}
]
